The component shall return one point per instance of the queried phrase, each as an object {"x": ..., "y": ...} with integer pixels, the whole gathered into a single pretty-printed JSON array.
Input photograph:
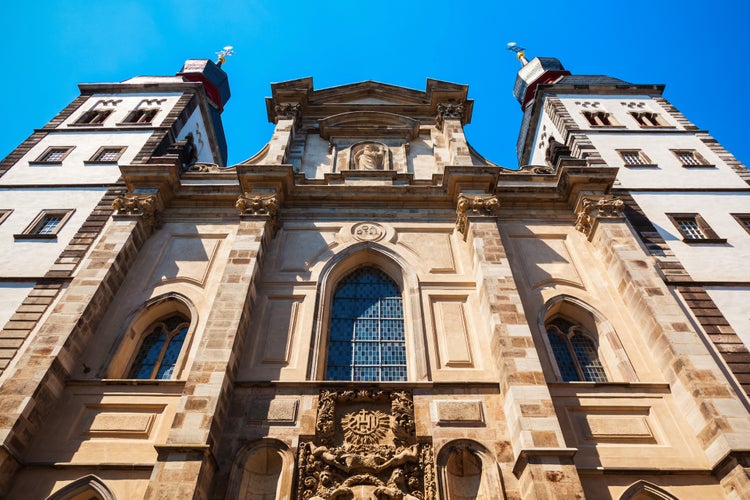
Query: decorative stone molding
[
  {"x": 593, "y": 209},
  {"x": 208, "y": 167},
  {"x": 365, "y": 446},
  {"x": 448, "y": 111},
  {"x": 368, "y": 231},
  {"x": 138, "y": 205},
  {"x": 262, "y": 206},
  {"x": 288, "y": 111},
  {"x": 476, "y": 205}
]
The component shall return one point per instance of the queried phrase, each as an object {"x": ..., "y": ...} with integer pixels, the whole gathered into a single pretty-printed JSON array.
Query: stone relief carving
[
  {"x": 448, "y": 111},
  {"x": 365, "y": 447},
  {"x": 593, "y": 209},
  {"x": 485, "y": 204},
  {"x": 370, "y": 156},
  {"x": 368, "y": 231},
  {"x": 288, "y": 111},
  {"x": 259, "y": 206},
  {"x": 138, "y": 205}
]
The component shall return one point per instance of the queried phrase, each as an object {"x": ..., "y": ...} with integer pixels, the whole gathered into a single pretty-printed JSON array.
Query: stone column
[
  {"x": 186, "y": 464},
  {"x": 543, "y": 464},
  {"x": 30, "y": 393}
]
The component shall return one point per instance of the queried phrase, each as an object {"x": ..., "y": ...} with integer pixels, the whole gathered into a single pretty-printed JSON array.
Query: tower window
[
  {"x": 648, "y": 119},
  {"x": 107, "y": 155},
  {"x": 694, "y": 229},
  {"x": 141, "y": 116},
  {"x": 4, "y": 213},
  {"x": 600, "y": 119},
  {"x": 160, "y": 349},
  {"x": 743, "y": 219},
  {"x": 54, "y": 155},
  {"x": 575, "y": 352},
  {"x": 635, "y": 158},
  {"x": 690, "y": 158},
  {"x": 366, "y": 340},
  {"x": 46, "y": 225},
  {"x": 93, "y": 117}
]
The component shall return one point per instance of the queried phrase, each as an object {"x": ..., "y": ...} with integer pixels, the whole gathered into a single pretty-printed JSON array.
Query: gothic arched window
[
  {"x": 366, "y": 335},
  {"x": 575, "y": 352},
  {"x": 160, "y": 348}
]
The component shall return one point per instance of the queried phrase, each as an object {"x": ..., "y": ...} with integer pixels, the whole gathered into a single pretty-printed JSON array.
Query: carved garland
[
  {"x": 593, "y": 209},
  {"x": 138, "y": 205},
  {"x": 476, "y": 205},
  {"x": 366, "y": 449}
]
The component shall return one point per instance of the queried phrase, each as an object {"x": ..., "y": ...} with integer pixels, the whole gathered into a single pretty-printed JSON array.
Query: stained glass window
[
  {"x": 160, "y": 349},
  {"x": 575, "y": 352},
  {"x": 366, "y": 336}
]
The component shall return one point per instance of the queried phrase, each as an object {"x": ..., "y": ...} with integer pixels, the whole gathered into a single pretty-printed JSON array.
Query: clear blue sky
[{"x": 698, "y": 49}]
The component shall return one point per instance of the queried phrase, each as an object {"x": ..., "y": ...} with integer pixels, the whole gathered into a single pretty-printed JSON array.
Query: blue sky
[{"x": 700, "y": 53}]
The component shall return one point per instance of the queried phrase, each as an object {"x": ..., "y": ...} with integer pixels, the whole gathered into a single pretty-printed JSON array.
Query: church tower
[{"x": 366, "y": 308}]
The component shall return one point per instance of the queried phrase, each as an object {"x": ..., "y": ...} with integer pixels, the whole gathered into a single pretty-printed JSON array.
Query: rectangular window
[
  {"x": 694, "y": 229},
  {"x": 54, "y": 155},
  {"x": 635, "y": 158},
  {"x": 600, "y": 119},
  {"x": 107, "y": 155},
  {"x": 46, "y": 225},
  {"x": 141, "y": 116},
  {"x": 743, "y": 219},
  {"x": 690, "y": 158},
  {"x": 648, "y": 119},
  {"x": 93, "y": 117},
  {"x": 4, "y": 214}
]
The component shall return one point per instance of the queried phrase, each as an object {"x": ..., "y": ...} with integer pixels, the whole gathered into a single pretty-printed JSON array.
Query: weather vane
[
  {"x": 520, "y": 52},
  {"x": 223, "y": 54}
]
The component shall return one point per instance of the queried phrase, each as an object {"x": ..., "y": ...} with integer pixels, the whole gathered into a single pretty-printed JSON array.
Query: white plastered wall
[
  {"x": 734, "y": 303},
  {"x": 11, "y": 296},
  {"x": 197, "y": 127},
  {"x": 125, "y": 103},
  {"x": 34, "y": 257}
]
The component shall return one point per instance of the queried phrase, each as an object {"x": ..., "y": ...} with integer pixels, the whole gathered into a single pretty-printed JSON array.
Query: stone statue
[{"x": 371, "y": 158}]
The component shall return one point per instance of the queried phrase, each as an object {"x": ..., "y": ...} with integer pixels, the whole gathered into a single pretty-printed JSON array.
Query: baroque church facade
[{"x": 368, "y": 308}]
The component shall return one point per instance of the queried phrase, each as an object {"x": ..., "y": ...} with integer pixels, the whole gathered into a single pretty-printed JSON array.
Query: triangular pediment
[{"x": 367, "y": 93}]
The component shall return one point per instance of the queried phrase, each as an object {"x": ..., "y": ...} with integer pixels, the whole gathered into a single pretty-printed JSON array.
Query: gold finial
[
  {"x": 223, "y": 54},
  {"x": 520, "y": 52}
]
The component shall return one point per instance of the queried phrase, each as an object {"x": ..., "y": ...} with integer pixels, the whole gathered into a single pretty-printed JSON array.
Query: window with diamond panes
[
  {"x": 575, "y": 352},
  {"x": 160, "y": 349},
  {"x": 366, "y": 340}
]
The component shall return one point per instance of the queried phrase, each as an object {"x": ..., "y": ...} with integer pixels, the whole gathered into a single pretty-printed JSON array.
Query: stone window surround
[
  {"x": 742, "y": 219},
  {"x": 709, "y": 235},
  {"x": 601, "y": 119},
  {"x": 92, "y": 118},
  {"x": 5, "y": 213},
  {"x": 41, "y": 159},
  {"x": 32, "y": 231},
  {"x": 645, "y": 160},
  {"x": 95, "y": 157},
  {"x": 649, "y": 119},
  {"x": 700, "y": 161}
]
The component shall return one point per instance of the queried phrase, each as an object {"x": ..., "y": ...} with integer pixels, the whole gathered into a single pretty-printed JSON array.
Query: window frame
[
  {"x": 652, "y": 119},
  {"x": 150, "y": 330},
  {"x": 647, "y": 163},
  {"x": 701, "y": 162},
  {"x": 94, "y": 158},
  {"x": 574, "y": 330},
  {"x": 709, "y": 234},
  {"x": 40, "y": 160},
  {"x": 5, "y": 213},
  {"x": 742, "y": 219},
  {"x": 133, "y": 117},
  {"x": 591, "y": 116},
  {"x": 92, "y": 118},
  {"x": 32, "y": 230}
]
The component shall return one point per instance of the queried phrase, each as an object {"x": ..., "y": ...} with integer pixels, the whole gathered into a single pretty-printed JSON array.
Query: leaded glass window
[
  {"x": 575, "y": 352},
  {"x": 366, "y": 340},
  {"x": 160, "y": 349}
]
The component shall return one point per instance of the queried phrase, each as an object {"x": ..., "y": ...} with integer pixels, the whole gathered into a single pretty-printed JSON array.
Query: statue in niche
[{"x": 370, "y": 156}]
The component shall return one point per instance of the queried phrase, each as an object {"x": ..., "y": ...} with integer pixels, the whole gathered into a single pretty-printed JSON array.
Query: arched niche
[
  {"x": 643, "y": 490},
  {"x": 139, "y": 326},
  {"x": 591, "y": 324},
  {"x": 392, "y": 264},
  {"x": 262, "y": 470},
  {"x": 466, "y": 470},
  {"x": 86, "y": 488}
]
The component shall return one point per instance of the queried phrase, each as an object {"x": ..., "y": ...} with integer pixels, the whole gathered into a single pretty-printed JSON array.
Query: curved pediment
[{"x": 369, "y": 124}]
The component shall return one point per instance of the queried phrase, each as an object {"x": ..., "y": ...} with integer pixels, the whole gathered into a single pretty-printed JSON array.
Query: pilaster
[{"x": 544, "y": 466}]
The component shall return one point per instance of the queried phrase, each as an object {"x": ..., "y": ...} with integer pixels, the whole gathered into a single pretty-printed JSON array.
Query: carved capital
[
  {"x": 142, "y": 206},
  {"x": 288, "y": 111},
  {"x": 265, "y": 206},
  {"x": 448, "y": 111},
  {"x": 477, "y": 205},
  {"x": 593, "y": 209}
]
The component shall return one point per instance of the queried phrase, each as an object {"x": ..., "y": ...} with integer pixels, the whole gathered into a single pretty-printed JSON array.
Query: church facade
[{"x": 368, "y": 308}]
